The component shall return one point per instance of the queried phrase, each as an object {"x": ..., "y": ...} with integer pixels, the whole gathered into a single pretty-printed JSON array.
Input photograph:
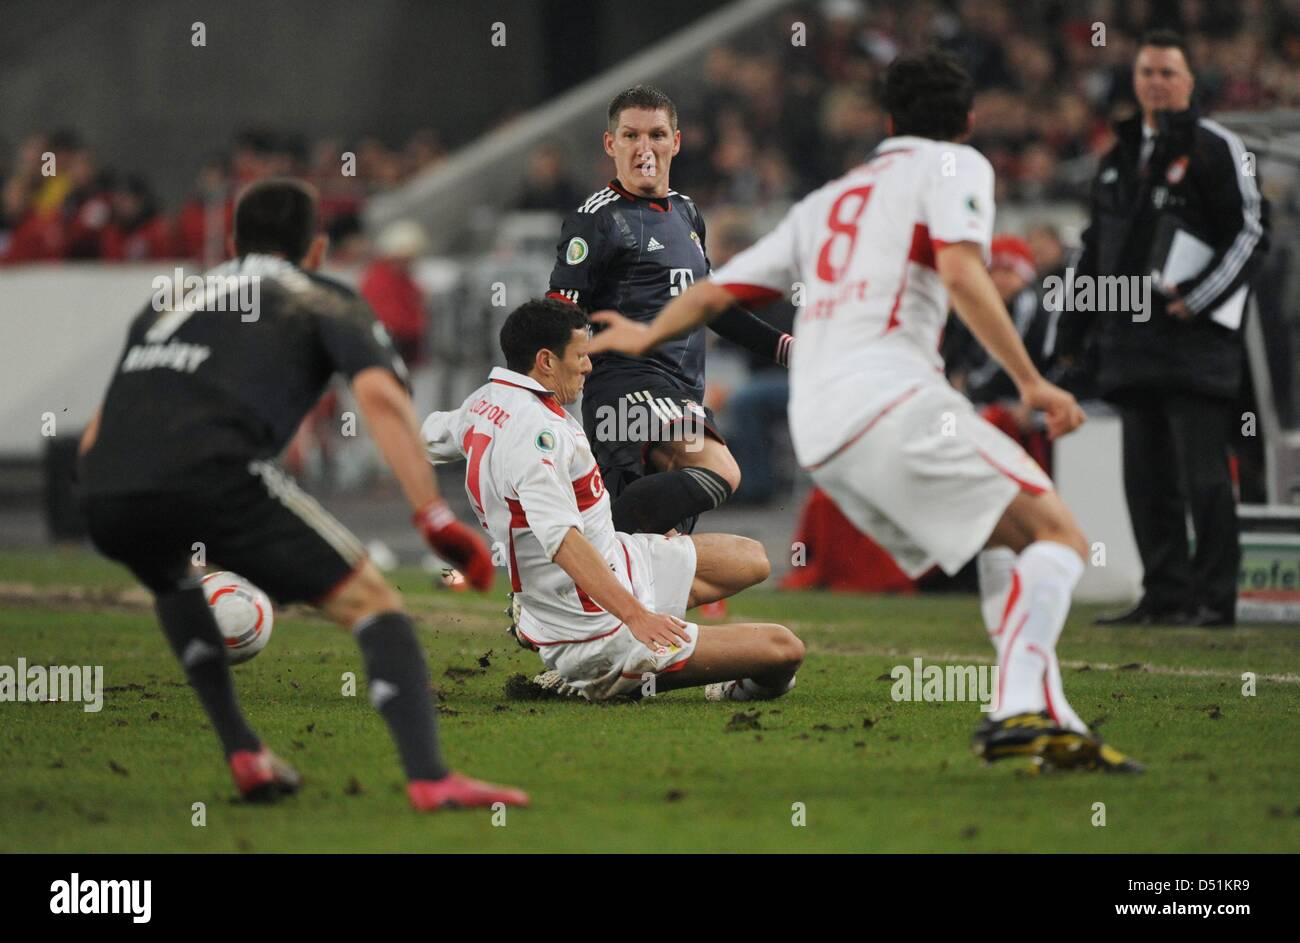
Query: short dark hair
[
  {"x": 1167, "y": 39},
  {"x": 541, "y": 324},
  {"x": 641, "y": 96},
  {"x": 276, "y": 215},
  {"x": 929, "y": 95}
]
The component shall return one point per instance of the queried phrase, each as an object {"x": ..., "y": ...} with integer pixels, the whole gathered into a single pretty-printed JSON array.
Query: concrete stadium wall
[{"x": 61, "y": 330}]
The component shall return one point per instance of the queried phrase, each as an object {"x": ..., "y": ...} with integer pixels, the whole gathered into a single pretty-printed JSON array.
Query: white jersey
[
  {"x": 860, "y": 251},
  {"x": 530, "y": 476}
]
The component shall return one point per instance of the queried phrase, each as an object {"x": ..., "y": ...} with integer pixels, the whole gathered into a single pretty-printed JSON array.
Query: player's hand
[
  {"x": 1023, "y": 414},
  {"x": 656, "y": 631},
  {"x": 1060, "y": 409},
  {"x": 456, "y": 543},
  {"x": 621, "y": 335}
]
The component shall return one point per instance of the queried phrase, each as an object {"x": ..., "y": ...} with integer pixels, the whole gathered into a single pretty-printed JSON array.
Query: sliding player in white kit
[
  {"x": 604, "y": 609},
  {"x": 877, "y": 256}
]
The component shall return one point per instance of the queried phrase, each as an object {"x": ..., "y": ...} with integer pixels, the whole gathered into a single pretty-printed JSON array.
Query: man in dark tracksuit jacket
[{"x": 1175, "y": 373}]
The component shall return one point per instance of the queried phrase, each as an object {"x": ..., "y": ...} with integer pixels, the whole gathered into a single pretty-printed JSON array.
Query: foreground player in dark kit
[
  {"x": 179, "y": 457},
  {"x": 633, "y": 247}
]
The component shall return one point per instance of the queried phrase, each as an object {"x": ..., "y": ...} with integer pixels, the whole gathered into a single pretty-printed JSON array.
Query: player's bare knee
[
  {"x": 366, "y": 594},
  {"x": 723, "y": 463},
  {"x": 787, "y": 649},
  {"x": 376, "y": 589},
  {"x": 731, "y": 475},
  {"x": 392, "y": 600},
  {"x": 756, "y": 564}
]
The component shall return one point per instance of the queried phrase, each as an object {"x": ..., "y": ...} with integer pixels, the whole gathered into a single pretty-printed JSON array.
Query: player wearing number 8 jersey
[
  {"x": 875, "y": 304},
  {"x": 880, "y": 253},
  {"x": 603, "y": 608}
]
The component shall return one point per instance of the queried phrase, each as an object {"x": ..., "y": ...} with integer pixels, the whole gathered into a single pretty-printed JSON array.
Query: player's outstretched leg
[
  {"x": 740, "y": 662},
  {"x": 737, "y": 662},
  {"x": 399, "y": 690},
  {"x": 724, "y": 565},
  {"x": 1032, "y": 716},
  {"x": 194, "y": 637}
]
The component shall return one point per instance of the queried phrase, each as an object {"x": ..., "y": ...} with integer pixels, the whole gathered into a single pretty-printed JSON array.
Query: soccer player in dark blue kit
[
  {"x": 633, "y": 246},
  {"x": 201, "y": 402}
]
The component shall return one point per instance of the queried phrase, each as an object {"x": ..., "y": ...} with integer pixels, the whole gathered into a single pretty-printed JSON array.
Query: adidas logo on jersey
[{"x": 653, "y": 245}]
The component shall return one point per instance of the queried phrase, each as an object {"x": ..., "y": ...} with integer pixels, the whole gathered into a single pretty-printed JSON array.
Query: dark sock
[
  {"x": 192, "y": 631},
  {"x": 656, "y": 503},
  {"x": 399, "y": 690}
]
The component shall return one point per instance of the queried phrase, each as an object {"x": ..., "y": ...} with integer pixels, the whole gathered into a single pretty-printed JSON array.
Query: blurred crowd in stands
[
  {"x": 61, "y": 202},
  {"x": 764, "y": 120},
  {"x": 772, "y": 119}
]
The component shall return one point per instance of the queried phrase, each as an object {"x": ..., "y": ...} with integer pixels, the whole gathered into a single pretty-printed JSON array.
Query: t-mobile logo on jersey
[{"x": 680, "y": 279}]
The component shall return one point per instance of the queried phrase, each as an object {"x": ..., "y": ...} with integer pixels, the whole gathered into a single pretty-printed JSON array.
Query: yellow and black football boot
[
  {"x": 1093, "y": 755},
  {"x": 1029, "y": 735}
]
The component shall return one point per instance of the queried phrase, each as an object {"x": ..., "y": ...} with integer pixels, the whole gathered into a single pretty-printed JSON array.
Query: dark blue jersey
[{"x": 634, "y": 255}]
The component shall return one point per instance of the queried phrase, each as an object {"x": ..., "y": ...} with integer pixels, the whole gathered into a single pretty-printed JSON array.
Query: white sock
[
  {"x": 1029, "y": 677},
  {"x": 1060, "y": 707},
  {"x": 994, "y": 566}
]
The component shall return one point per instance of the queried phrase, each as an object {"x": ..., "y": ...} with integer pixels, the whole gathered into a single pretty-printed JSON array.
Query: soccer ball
[{"x": 243, "y": 614}]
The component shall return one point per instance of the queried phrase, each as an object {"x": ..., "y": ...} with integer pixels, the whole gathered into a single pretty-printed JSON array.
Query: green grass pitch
[{"x": 673, "y": 773}]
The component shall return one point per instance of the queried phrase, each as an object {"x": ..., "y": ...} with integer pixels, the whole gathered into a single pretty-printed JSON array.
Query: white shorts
[
  {"x": 928, "y": 479},
  {"x": 615, "y": 663}
]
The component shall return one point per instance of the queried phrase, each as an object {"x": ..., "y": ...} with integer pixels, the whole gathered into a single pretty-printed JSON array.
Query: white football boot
[
  {"x": 513, "y": 629},
  {"x": 552, "y": 682}
]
